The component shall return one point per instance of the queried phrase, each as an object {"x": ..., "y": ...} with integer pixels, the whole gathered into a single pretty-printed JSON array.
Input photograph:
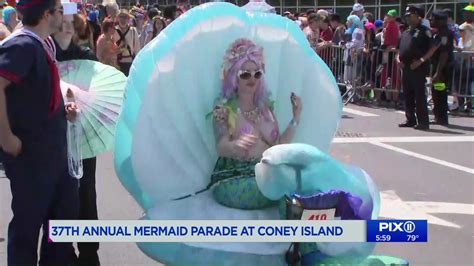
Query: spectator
[
  {"x": 179, "y": 11},
  {"x": 107, "y": 50},
  {"x": 83, "y": 36},
  {"x": 368, "y": 18},
  {"x": 466, "y": 37},
  {"x": 378, "y": 40},
  {"x": 127, "y": 40},
  {"x": 9, "y": 23},
  {"x": 378, "y": 26},
  {"x": 153, "y": 12},
  {"x": 469, "y": 13},
  {"x": 352, "y": 53},
  {"x": 369, "y": 34},
  {"x": 309, "y": 12},
  {"x": 66, "y": 46},
  {"x": 391, "y": 32},
  {"x": 464, "y": 75},
  {"x": 112, "y": 10},
  {"x": 326, "y": 31},
  {"x": 389, "y": 75},
  {"x": 138, "y": 23},
  {"x": 323, "y": 13},
  {"x": 303, "y": 22},
  {"x": 358, "y": 10},
  {"x": 170, "y": 13},
  {"x": 338, "y": 28},
  {"x": 93, "y": 23},
  {"x": 287, "y": 14},
  {"x": 312, "y": 31},
  {"x": 158, "y": 25},
  {"x": 67, "y": 49},
  {"x": 452, "y": 26}
]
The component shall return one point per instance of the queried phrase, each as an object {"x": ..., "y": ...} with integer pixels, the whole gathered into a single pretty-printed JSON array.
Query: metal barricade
[
  {"x": 463, "y": 80},
  {"x": 364, "y": 74}
]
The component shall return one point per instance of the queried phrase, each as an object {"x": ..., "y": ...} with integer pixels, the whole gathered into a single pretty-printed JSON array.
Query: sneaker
[
  {"x": 406, "y": 124},
  {"x": 422, "y": 127}
]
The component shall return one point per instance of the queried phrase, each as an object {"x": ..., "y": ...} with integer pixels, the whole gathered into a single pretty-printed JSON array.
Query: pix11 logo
[
  {"x": 406, "y": 227},
  {"x": 397, "y": 230}
]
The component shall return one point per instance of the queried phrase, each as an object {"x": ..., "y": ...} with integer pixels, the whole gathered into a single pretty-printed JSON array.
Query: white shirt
[{"x": 131, "y": 41}]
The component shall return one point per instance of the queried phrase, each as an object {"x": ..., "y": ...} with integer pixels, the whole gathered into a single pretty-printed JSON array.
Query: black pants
[
  {"x": 415, "y": 95},
  {"x": 440, "y": 98},
  {"x": 88, "y": 210},
  {"x": 42, "y": 190},
  {"x": 440, "y": 102},
  {"x": 125, "y": 68}
]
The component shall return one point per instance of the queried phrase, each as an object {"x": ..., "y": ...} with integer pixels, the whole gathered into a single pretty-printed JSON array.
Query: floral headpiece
[{"x": 239, "y": 50}]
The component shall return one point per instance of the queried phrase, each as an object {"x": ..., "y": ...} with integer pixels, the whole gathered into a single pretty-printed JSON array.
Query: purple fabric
[{"x": 347, "y": 205}]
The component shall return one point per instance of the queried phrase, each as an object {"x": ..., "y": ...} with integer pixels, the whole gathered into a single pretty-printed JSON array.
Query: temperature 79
[{"x": 412, "y": 238}]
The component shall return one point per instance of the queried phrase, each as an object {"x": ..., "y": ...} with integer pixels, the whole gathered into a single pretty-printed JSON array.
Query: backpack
[{"x": 123, "y": 39}]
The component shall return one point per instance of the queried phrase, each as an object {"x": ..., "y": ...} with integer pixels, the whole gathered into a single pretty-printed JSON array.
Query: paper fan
[{"x": 98, "y": 91}]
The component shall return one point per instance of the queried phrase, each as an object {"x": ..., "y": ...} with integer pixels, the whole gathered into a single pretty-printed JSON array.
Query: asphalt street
[{"x": 421, "y": 175}]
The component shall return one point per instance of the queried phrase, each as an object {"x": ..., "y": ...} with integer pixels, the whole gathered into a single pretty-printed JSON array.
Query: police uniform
[
  {"x": 41, "y": 186},
  {"x": 414, "y": 44},
  {"x": 445, "y": 39}
]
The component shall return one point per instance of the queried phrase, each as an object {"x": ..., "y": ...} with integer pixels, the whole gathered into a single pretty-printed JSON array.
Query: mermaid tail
[{"x": 165, "y": 147}]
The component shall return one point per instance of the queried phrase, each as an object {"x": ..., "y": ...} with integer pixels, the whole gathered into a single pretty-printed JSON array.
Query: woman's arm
[
  {"x": 136, "y": 42},
  {"x": 148, "y": 37},
  {"x": 100, "y": 49},
  {"x": 289, "y": 133}
]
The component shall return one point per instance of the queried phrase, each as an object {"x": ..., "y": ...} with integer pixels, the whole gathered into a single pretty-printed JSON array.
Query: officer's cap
[
  {"x": 439, "y": 15},
  {"x": 415, "y": 9}
]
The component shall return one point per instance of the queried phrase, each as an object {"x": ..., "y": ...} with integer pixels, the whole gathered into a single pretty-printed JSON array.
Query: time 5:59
[{"x": 382, "y": 238}]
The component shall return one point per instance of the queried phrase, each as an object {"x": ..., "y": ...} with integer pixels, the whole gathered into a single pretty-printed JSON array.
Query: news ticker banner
[{"x": 238, "y": 231}]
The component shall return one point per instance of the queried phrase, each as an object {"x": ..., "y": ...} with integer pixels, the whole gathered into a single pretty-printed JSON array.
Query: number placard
[{"x": 327, "y": 214}]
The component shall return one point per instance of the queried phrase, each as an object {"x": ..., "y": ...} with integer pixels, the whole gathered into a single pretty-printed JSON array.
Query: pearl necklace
[{"x": 252, "y": 116}]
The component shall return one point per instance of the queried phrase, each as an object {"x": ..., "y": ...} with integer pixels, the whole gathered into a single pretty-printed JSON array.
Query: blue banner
[{"x": 397, "y": 231}]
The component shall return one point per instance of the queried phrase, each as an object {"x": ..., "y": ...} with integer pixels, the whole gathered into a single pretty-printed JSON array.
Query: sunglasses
[{"x": 245, "y": 74}]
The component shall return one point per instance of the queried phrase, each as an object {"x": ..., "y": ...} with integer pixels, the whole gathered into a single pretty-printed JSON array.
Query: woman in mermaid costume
[
  {"x": 180, "y": 164},
  {"x": 245, "y": 126}
]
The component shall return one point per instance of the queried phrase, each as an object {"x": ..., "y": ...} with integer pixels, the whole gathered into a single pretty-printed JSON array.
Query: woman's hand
[
  {"x": 71, "y": 111},
  {"x": 12, "y": 145},
  {"x": 296, "y": 105},
  {"x": 244, "y": 144}
]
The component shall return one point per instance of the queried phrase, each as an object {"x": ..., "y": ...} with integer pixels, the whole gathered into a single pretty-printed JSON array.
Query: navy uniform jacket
[
  {"x": 445, "y": 39},
  {"x": 23, "y": 61},
  {"x": 414, "y": 44}
]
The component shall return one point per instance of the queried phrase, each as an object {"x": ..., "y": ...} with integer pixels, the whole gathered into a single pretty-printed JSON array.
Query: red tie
[{"x": 55, "y": 82}]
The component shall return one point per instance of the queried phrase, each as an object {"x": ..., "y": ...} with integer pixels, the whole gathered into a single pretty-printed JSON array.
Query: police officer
[
  {"x": 415, "y": 50},
  {"x": 443, "y": 60}
]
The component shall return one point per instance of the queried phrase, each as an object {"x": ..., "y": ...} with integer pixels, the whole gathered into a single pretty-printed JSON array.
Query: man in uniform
[
  {"x": 33, "y": 137},
  {"x": 443, "y": 60},
  {"x": 415, "y": 49}
]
